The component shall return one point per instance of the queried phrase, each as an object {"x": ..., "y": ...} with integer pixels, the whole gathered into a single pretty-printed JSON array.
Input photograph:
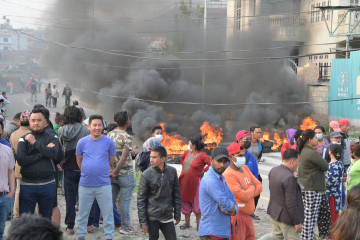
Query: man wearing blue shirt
[
  {"x": 217, "y": 202},
  {"x": 94, "y": 155}
]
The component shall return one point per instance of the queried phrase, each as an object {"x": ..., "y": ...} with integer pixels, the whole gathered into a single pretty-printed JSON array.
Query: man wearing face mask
[
  {"x": 244, "y": 139},
  {"x": 245, "y": 186}
]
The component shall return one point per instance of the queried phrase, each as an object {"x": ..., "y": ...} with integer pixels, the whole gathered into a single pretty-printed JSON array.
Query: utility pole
[{"x": 204, "y": 44}]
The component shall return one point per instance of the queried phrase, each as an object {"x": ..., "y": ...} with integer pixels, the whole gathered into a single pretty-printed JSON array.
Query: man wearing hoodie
[{"x": 69, "y": 135}]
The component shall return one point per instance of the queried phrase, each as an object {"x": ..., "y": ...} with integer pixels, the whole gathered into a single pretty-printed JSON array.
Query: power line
[
  {"x": 216, "y": 104},
  {"x": 179, "y": 60}
]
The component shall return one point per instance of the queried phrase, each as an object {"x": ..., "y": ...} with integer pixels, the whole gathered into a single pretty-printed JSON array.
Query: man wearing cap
[
  {"x": 344, "y": 125},
  {"x": 244, "y": 139},
  {"x": 245, "y": 186},
  {"x": 14, "y": 139},
  {"x": 217, "y": 202}
]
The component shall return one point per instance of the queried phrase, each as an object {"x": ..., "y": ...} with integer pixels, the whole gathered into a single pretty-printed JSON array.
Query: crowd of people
[{"x": 317, "y": 182}]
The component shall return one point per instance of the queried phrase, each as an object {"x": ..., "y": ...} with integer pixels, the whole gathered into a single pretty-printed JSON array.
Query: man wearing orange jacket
[{"x": 245, "y": 186}]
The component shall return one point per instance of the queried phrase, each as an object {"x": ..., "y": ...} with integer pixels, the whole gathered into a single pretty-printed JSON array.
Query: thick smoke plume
[{"x": 132, "y": 28}]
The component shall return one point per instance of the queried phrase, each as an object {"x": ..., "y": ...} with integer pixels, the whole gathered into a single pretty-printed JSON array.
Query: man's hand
[
  {"x": 145, "y": 229},
  {"x": 298, "y": 228},
  {"x": 11, "y": 195},
  {"x": 112, "y": 175},
  {"x": 30, "y": 138},
  {"x": 51, "y": 145},
  {"x": 231, "y": 212},
  {"x": 177, "y": 222},
  {"x": 59, "y": 167}
]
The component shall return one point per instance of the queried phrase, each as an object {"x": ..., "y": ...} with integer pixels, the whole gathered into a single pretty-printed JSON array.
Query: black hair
[
  {"x": 96, "y": 116},
  {"x": 156, "y": 128},
  {"x": 59, "y": 118},
  {"x": 72, "y": 115},
  {"x": 121, "y": 118},
  {"x": 24, "y": 124},
  {"x": 40, "y": 110},
  {"x": 336, "y": 150},
  {"x": 161, "y": 150},
  {"x": 355, "y": 149},
  {"x": 298, "y": 134},
  {"x": 321, "y": 128},
  {"x": 17, "y": 116},
  {"x": 29, "y": 227},
  {"x": 304, "y": 138},
  {"x": 2, "y": 124},
  {"x": 197, "y": 142},
  {"x": 252, "y": 128},
  {"x": 75, "y": 102},
  {"x": 290, "y": 154},
  {"x": 3, "y": 93},
  {"x": 39, "y": 106},
  {"x": 111, "y": 127}
]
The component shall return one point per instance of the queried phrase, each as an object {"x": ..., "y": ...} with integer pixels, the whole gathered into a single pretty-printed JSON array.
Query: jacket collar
[{"x": 159, "y": 170}]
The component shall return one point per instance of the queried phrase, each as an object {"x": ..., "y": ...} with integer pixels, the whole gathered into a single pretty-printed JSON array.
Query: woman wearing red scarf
[{"x": 193, "y": 162}]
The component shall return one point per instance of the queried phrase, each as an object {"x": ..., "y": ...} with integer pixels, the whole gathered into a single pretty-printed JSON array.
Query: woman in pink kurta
[{"x": 193, "y": 166}]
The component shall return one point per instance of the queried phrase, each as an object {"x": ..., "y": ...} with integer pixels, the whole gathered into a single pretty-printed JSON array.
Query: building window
[
  {"x": 312, "y": 16},
  {"x": 317, "y": 17}
]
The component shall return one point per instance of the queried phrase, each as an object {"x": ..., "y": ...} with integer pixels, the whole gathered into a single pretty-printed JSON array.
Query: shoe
[
  {"x": 69, "y": 231},
  {"x": 128, "y": 231}
]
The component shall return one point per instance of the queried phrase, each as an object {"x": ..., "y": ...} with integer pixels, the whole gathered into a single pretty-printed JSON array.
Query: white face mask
[
  {"x": 189, "y": 148},
  {"x": 336, "y": 143},
  {"x": 158, "y": 138},
  {"x": 240, "y": 161}
]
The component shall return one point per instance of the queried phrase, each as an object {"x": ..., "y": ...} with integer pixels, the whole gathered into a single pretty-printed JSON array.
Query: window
[
  {"x": 312, "y": 15},
  {"x": 317, "y": 17}
]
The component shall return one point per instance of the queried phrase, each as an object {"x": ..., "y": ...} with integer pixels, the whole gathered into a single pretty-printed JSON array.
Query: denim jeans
[
  {"x": 48, "y": 100},
  {"x": 4, "y": 212},
  {"x": 71, "y": 185},
  {"x": 96, "y": 216},
  {"x": 87, "y": 195},
  {"x": 44, "y": 195},
  {"x": 124, "y": 184},
  {"x": 168, "y": 229}
]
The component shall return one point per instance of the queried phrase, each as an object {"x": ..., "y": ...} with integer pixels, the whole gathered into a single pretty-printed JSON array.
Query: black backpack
[{"x": 143, "y": 160}]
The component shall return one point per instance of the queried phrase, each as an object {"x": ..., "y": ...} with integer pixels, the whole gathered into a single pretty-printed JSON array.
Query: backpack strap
[{"x": 247, "y": 159}]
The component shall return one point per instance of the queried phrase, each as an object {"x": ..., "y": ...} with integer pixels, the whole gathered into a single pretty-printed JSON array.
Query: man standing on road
[
  {"x": 48, "y": 95},
  {"x": 14, "y": 140},
  {"x": 122, "y": 174},
  {"x": 245, "y": 186},
  {"x": 217, "y": 202},
  {"x": 94, "y": 155},
  {"x": 67, "y": 93},
  {"x": 33, "y": 89},
  {"x": 12, "y": 126},
  {"x": 159, "y": 197},
  {"x": 7, "y": 183},
  {"x": 344, "y": 125},
  {"x": 37, "y": 154},
  {"x": 286, "y": 206}
]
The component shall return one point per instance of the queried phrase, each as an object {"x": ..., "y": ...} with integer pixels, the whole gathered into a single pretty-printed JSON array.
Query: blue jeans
[
  {"x": 44, "y": 195},
  {"x": 124, "y": 184},
  {"x": 5, "y": 203},
  {"x": 71, "y": 184},
  {"x": 87, "y": 195},
  {"x": 48, "y": 100},
  {"x": 96, "y": 216}
]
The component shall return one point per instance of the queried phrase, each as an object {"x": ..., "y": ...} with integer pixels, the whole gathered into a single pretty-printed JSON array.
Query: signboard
[{"x": 345, "y": 84}]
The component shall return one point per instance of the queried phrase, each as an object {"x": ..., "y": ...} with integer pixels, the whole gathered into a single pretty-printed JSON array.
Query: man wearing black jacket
[
  {"x": 38, "y": 153},
  {"x": 159, "y": 197}
]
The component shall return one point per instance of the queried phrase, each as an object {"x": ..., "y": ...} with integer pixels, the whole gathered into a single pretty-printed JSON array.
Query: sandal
[
  {"x": 70, "y": 231},
  {"x": 91, "y": 229},
  {"x": 184, "y": 226}
]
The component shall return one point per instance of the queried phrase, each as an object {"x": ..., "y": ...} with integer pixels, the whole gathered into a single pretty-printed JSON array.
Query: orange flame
[
  {"x": 308, "y": 123},
  {"x": 277, "y": 140},
  {"x": 175, "y": 145},
  {"x": 212, "y": 135}
]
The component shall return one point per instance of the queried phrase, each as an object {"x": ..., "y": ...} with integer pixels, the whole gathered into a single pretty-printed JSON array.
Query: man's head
[
  {"x": 4, "y": 94},
  {"x": 320, "y": 132},
  {"x": 96, "y": 125},
  {"x": 344, "y": 125},
  {"x": 122, "y": 119},
  {"x": 335, "y": 137},
  {"x": 243, "y": 137},
  {"x": 67, "y": 85},
  {"x": 237, "y": 154},
  {"x": 219, "y": 159},
  {"x": 76, "y": 103},
  {"x": 49, "y": 85},
  {"x": 158, "y": 156},
  {"x": 16, "y": 119},
  {"x": 157, "y": 130},
  {"x": 72, "y": 115},
  {"x": 24, "y": 118},
  {"x": 291, "y": 159},
  {"x": 33, "y": 227},
  {"x": 256, "y": 132},
  {"x": 38, "y": 120}
]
